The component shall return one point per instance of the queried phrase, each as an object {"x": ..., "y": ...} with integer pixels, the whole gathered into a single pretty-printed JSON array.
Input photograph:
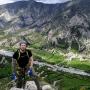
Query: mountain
[
  {"x": 28, "y": 13},
  {"x": 69, "y": 22}
]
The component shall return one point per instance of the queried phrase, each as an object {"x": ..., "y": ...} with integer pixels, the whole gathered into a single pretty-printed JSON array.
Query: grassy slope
[
  {"x": 67, "y": 81},
  {"x": 38, "y": 41}
]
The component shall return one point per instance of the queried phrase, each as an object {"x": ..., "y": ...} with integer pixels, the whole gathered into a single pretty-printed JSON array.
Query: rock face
[
  {"x": 70, "y": 21},
  {"x": 38, "y": 15},
  {"x": 15, "y": 88},
  {"x": 47, "y": 87},
  {"x": 30, "y": 85}
]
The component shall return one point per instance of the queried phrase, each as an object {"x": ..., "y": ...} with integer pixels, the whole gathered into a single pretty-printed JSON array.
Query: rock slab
[{"x": 30, "y": 85}]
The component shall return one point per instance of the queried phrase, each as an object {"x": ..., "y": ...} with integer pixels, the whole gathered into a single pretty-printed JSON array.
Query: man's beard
[{"x": 23, "y": 50}]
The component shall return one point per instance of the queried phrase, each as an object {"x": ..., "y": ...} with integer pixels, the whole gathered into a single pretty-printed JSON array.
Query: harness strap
[
  {"x": 27, "y": 53},
  {"x": 19, "y": 54}
]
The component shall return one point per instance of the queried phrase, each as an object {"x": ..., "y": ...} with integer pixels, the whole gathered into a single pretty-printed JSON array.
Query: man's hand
[
  {"x": 30, "y": 73},
  {"x": 14, "y": 76}
]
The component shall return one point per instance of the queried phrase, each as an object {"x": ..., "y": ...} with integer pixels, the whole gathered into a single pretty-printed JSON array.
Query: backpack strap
[
  {"x": 27, "y": 53},
  {"x": 19, "y": 54}
]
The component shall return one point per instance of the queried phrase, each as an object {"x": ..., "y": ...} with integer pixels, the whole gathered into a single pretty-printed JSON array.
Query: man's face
[{"x": 23, "y": 47}]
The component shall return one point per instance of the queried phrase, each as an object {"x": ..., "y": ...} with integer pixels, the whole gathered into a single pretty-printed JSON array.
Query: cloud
[
  {"x": 7, "y": 1},
  {"x": 52, "y": 1},
  {"x": 43, "y": 1}
]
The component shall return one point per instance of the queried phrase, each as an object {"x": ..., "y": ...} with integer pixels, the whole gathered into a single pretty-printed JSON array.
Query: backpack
[{"x": 19, "y": 54}]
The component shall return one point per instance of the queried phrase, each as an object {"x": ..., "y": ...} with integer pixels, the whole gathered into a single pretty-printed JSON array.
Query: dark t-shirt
[{"x": 24, "y": 57}]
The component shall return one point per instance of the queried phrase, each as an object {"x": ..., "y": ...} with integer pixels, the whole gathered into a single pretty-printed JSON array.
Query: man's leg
[
  {"x": 35, "y": 78},
  {"x": 20, "y": 78},
  {"x": 19, "y": 82}
]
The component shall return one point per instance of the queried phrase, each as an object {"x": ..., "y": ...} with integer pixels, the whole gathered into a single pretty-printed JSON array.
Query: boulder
[
  {"x": 47, "y": 87},
  {"x": 30, "y": 85},
  {"x": 14, "y": 88}
]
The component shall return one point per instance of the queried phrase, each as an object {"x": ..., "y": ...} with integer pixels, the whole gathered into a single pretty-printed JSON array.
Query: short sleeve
[
  {"x": 29, "y": 53},
  {"x": 15, "y": 55}
]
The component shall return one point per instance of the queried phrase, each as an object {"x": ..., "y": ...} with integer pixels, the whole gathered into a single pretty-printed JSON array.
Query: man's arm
[
  {"x": 13, "y": 65},
  {"x": 31, "y": 62}
]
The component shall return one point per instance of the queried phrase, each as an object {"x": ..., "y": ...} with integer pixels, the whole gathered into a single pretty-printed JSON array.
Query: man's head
[{"x": 23, "y": 45}]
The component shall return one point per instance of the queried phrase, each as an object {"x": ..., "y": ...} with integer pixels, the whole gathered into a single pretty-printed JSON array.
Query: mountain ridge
[{"x": 61, "y": 19}]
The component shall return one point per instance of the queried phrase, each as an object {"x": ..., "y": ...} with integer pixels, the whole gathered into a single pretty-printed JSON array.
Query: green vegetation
[
  {"x": 5, "y": 76},
  {"x": 4, "y": 83},
  {"x": 84, "y": 65},
  {"x": 48, "y": 57},
  {"x": 5, "y": 72},
  {"x": 56, "y": 58},
  {"x": 65, "y": 81}
]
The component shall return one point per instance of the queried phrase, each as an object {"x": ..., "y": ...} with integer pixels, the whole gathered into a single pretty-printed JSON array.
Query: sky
[
  {"x": 52, "y": 1},
  {"x": 44, "y": 1},
  {"x": 6, "y": 1}
]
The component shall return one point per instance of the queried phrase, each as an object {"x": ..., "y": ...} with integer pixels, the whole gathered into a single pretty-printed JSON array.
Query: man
[{"x": 22, "y": 63}]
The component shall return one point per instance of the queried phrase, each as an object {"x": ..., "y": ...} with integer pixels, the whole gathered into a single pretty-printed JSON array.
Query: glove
[
  {"x": 30, "y": 72},
  {"x": 14, "y": 76}
]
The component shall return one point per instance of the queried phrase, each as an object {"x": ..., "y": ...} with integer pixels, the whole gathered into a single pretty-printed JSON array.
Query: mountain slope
[{"x": 69, "y": 22}]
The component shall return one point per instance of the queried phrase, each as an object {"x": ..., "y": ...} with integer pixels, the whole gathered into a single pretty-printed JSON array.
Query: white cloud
[
  {"x": 7, "y": 1},
  {"x": 52, "y": 1},
  {"x": 43, "y": 1}
]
